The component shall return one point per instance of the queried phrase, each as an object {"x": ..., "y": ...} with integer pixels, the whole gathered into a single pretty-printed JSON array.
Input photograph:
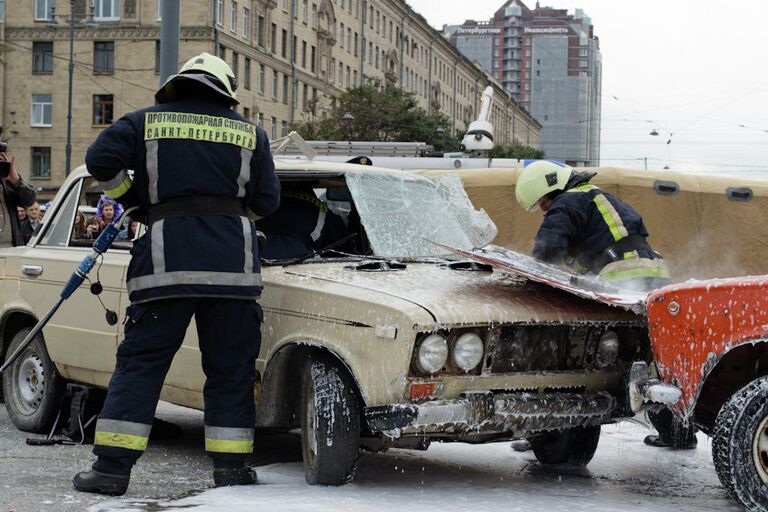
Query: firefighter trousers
[{"x": 229, "y": 338}]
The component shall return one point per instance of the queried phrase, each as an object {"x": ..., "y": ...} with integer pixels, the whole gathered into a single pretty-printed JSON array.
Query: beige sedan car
[{"x": 389, "y": 343}]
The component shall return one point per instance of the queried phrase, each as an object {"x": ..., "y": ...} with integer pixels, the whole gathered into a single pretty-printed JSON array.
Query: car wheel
[
  {"x": 32, "y": 386},
  {"x": 575, "y": 445},
  {"x": 740, "y": 445},
  {"x": 330, "y": 424}
]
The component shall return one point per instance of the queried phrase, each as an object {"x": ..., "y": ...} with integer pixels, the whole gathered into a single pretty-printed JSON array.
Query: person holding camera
[{"x": 15, "y": 192}]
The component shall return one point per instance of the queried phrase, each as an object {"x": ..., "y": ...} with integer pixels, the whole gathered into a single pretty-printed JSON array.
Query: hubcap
[
  {"x": 30, "y": 382},
  {"x": 760, "y": 450}
]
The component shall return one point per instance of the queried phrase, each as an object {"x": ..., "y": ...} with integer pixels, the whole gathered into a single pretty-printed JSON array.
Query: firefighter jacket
[
  {"x": 181, "y": 152},
  {"x": 597, "y": 232}
]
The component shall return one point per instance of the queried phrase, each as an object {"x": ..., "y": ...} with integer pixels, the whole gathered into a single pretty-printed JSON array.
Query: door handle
[{"x": 32, "y": 270}]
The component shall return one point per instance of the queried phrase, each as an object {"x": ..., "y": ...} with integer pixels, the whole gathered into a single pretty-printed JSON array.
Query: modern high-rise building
[{"x": 549, "y": 60}]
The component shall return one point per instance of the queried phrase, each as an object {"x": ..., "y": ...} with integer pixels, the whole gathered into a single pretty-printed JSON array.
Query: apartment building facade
[
  {"x": 288, "y": 55},
  {"x": 550, "y": 62}
]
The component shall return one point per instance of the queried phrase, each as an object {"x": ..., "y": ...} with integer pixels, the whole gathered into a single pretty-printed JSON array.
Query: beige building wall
[{"x": 288, "y": 55}]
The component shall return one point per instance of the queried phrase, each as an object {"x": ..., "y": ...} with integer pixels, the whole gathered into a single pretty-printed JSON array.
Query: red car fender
[{"x": 692, "y": 325}]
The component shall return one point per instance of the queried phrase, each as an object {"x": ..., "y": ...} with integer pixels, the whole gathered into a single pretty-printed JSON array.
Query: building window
[
  {"x": 41, "y": 162},
  {"x": 273, "y": 39},
  {"x": 285, "y": 89},
  {"x": 273, "y": 128},
  {"x": 157, "y": 56},
  {"x": 222, "y": 52},
  {"x": 42, "y": 58},
  {"x": 104, "y": 57},
  {"x": 236, "y": 64},
  {"x": 43, "y": 9},
  {"x": 283, "y": 128},
  {"x": 247, "y": 113},
  {"x": 312, "y": 58},
  {"x": 314, "y": 16},
  {"x": 103, "y": 108},
  {"x": 260, "y": 31},
  {"x": 341, "y": 36},
  {"x": 284, "y": 41},
  {"x": 304, "y": 12},
  {"x": 304, "y": 98},
  {"x": 262, "y": 72},
  {"x": 233, "y": 17},
  {"x": 356, "y": 42},
  {"x": 261, "y": 120},
  {"x": 41, "y": 110},
  {"x": 247, "y": 73},
  {"x": 106, "y": 10},
  {"x": 304, "y": 54},
  {"x": 218, "y": 12},
  {"x": 247, "y": 23},
  {"x": 274, "y": 85}
]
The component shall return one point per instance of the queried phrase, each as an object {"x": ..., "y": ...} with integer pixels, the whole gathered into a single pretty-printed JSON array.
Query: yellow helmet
[
  {"x": 539, "y": 178},
  {"x": 206, "y": 69}
]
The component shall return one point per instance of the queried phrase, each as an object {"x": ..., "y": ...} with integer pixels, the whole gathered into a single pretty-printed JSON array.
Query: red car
[{"x": 710, "y": 346}]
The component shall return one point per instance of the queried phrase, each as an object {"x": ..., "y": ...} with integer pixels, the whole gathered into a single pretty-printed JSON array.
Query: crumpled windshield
[{"x": 400, "y": 212}]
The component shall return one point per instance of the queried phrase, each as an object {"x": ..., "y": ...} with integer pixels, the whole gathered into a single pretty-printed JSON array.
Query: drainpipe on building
[
  {"x": 453, "y": 129},
  {"x": 429, "y": 83},
  {"x": 169, "y": 39},
  {"x": 362, "y": 43},
  {"x": 215, "y": 30},
  {"x": 293, "y": 62},
  {"x": 402, "y": 42}
]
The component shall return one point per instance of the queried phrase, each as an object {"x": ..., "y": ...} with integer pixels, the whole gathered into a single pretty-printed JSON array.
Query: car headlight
[
  {"x": 468, "y": 351},
  {"x": 608, "y": 348},
  {"x": 433, "y": 353}
]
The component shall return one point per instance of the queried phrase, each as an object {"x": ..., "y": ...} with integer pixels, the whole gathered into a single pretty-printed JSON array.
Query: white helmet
[{"x": 206, "y": 69}]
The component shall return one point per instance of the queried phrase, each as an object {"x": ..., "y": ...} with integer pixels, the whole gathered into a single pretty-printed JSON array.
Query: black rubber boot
[
  {"x": 223, "y": 477},
  {"x": 102, "y": 483}
]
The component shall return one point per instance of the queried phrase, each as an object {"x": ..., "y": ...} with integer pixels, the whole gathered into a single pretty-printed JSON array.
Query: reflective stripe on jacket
[{"x": 187, "y": 149}]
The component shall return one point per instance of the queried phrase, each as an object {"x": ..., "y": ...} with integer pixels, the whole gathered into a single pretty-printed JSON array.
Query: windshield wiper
[{"x": 317, "y": 252}]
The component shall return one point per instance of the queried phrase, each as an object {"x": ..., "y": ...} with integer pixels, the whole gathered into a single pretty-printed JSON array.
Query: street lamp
[
  {"x": 347, "y": 119},
  {"x": 71, "y": 22}
]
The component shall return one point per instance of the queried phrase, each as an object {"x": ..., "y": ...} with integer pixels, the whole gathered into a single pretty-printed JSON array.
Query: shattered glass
[
  {"x": 402, "y": 212},
  {"x": 477, "y": 224}
]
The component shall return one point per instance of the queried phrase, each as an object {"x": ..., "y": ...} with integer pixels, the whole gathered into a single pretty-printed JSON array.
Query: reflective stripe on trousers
[
  {"x": 122, "y": 434},
  {"x": 228, "y": 440}
]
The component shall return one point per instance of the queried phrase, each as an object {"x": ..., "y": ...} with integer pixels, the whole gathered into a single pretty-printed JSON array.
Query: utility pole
[{"x": 169, "y": 39}]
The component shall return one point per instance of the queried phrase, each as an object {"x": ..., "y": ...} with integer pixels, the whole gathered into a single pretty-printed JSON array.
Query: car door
[{"x": 78, "y": 337}]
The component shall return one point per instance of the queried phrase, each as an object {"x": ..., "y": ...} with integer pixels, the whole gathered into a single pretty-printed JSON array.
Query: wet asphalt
[{"x": 39, "y": 478}]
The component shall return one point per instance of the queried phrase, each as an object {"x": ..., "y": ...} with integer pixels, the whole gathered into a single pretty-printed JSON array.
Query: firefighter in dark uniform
[
  {"x": 198, "y": 167},
  {"x": 301, "y": 225},
  {"x": 596, "y": 233}
]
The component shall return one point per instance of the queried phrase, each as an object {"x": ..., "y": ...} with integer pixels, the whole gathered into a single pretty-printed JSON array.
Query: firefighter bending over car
[
  {"x": 596, "y": 233},
  {"x": 198, "y": 168}
]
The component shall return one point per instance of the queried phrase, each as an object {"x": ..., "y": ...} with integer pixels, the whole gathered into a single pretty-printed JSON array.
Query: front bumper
[
  {"x": 644, "y": 389},
  {"x": 484, "y": 412}
]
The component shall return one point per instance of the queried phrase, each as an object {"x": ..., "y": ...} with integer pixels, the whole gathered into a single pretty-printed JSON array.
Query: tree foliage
[
  {"x": 381, "y": 113},
  {"x": 518, "y": 151}
]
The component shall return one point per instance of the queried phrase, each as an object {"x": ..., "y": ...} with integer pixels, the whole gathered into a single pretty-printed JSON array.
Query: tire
[
  {"x": 740, "y": 445},
  {"x": 32, "y": 386},
  {"x": 575, "y": 446},
  {"x": 330, "y": 424}
]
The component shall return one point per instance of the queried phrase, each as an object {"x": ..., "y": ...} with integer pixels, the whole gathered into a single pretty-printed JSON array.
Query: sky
[{"x": 695, "y": 71}]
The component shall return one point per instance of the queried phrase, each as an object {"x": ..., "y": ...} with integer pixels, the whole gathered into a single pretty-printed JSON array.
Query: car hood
[{"x": 456, "y": 297}]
